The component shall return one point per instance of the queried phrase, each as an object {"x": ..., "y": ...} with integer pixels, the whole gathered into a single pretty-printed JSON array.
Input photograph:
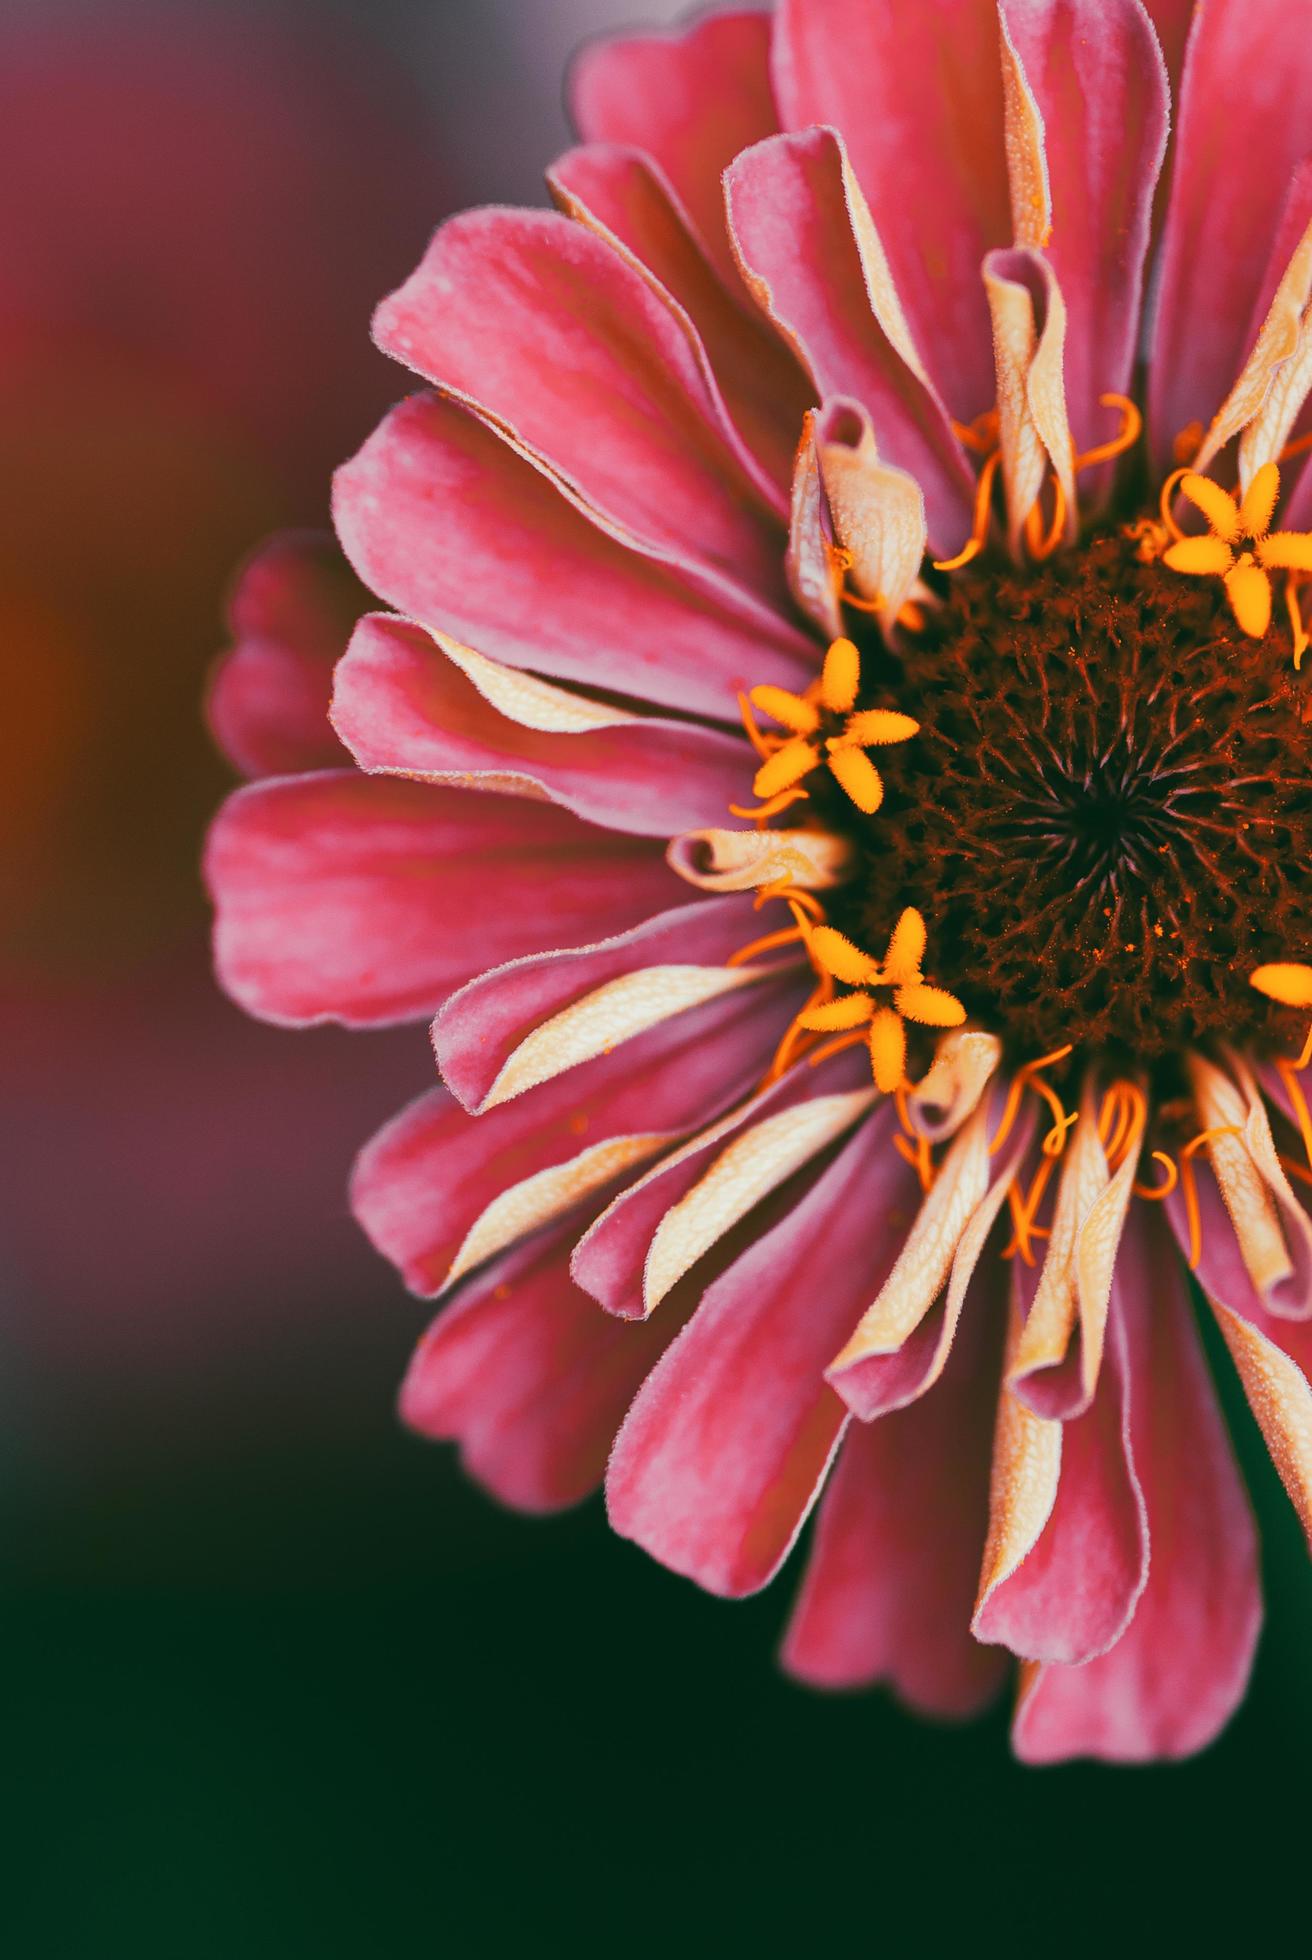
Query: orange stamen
[
  {"x": 1294, "y": 607},
  {"x": 1042, "y": 544},
  {"x": 758, "y": 740},
  {"x": 788, "y": 937},
  {"x": 980, "y": 528},
  {"x": 761, "y": 811},
  {"x": 1023, "y": 1211},
  {"x": 1295, "y": 448},
  {"x": 1189, "y": 1188},
  {"x": 1155, "y": 1192},
  {"x": 1131, "y": 429},
  {"x": 1021, "y": 1081},
  {"x": 1166, "y": 499}
]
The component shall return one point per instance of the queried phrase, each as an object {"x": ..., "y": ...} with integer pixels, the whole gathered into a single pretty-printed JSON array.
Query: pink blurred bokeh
[{"x": 211, "y": 196}]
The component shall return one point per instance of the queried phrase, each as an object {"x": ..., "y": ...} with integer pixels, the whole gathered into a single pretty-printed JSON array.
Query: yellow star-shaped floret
[
  {"x": 844, "y": 751},
  {"x": 913, "y": 998},
  {"x": 1240, "y": 546}
]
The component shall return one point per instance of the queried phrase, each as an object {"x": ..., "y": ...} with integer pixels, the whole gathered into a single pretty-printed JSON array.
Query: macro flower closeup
[{"x": 831, "y": 763}]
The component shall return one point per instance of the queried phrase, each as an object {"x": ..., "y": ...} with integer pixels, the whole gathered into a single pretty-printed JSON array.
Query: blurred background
[{"x": 277, "y": 1680}]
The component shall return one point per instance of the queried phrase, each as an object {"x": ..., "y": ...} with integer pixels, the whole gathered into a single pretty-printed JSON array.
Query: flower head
[{"x": 818, "y": 398}]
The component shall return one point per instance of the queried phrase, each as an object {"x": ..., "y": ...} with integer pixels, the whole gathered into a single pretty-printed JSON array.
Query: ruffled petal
[
  {"x": 1177, "y": 1675},
  {"x": 1236, "y": 148},
  {"x": 1067, "y": 1552},
  {"x": 1268, "y": 397},
  {"x": 612, "y": 1259},
  {"x": 447, "y": 521},
  {"x": 692, "y": 99},
  {"x": 626, "y": 409},
  {"x": 626, "y": 197},
  {"x": 817, "y": 267},
  {"x": 876, "y": 514},
  {"x": 917, "y": 94},
  {"x": 530, "y": 1377},
  {"x": 743, "y": 860},
  {"x": 438, "y": 1196},
  {"x": 290, "y": 616},
  {"x": 410, "y": 702},
  {"x": 901, "y": 1343},
  {"x": 1274, "y": 1362},
  {"x": 1055, "y": 1368},
  {"x": 1099, "y": 84},
  {"x": 724, "y": 1450},
  {"x": 359, "y": 899},
  {"x": 895, "y": 1556},
  {"x": 1029, "y": 340},
  {"x": 483, "y": 1033},
  {"x": 1263, "y": 1226}
]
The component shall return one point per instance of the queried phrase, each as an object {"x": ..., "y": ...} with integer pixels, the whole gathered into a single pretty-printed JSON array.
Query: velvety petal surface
[
  {"x": 627, "y": 196},
  {"x": 724, "y": 1450},
  {"x": 1099, "y": 82},
  {"x": 917, "y": 94},
  {"x": 449, "y": 523},
  {"x": 434, "y": 1173},
  {"x": 692, "y": 99},
  {"x": 530, "y": 1377},
  {"x": 408, "y": 702},
  {"x": 893, "y": 1565},
  {"x": 1177, "y": 1675},
  {"x": 625, "y": 407},
  {"x": 611, "y": 1258},
  {"x": 482, "y": 1026},
  {"x": 804, "y": 240},
  {"x": 1243, "y": 126},
  {"x": 366, "y": 900},
  {"x": 1067, "y": 1555}
]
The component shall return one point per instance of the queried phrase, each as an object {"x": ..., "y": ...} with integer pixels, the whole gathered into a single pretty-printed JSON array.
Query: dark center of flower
[{"x": 1107, "y": 814}]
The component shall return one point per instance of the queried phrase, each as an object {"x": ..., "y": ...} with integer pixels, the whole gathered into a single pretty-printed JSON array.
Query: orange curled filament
[
  {"x": 1189, "y": 1189},
  {"x": 980, "y": 527},
  {"x": 1027, "y": 1078}
]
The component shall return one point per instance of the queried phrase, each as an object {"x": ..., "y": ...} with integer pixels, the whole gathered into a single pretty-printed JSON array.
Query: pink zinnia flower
[{"x": 779, "y": 533}]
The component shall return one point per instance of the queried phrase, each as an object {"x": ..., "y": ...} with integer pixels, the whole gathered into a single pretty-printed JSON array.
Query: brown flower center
[{"x": 1107, "y": 813}]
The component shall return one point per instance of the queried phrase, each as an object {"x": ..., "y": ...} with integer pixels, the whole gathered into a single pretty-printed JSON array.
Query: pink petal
[
  {"x": 479, "y": 1027},
  {"x": 290, "y": 617},
  {"x": 402, "y": 707},
  {"x": 1236, "y": 147},
  {"x": 530, "y": 1377},
  {"x": 765, "y": 389},
  {"x": 1171, "y": 19},
  {"x": 1074, "y": 1592},
  {"x": 609, "y": 1259},
  {"x": 1221, "y": 1271},
  {"x": 875, "y": 1377},
  {"x": 624, "y": 407},
  {"x": 452, "y": 525},
  {"x": 916, "y": 92},
  {"x": 1097, "y": 75},
  {"x": 790, "y": 217},
  {"x": 891, "y": 1576},
  {"x": 430, "y": 1174},
  {"x": 724, "y": 1450},
  {"x": 1174, "y": 1679},
  {"x": 692, "y": 99},
  {"x": 352, "y": 898}
]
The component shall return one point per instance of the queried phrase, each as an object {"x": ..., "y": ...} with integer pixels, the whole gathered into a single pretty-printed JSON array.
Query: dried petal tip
[{"x": 1285, "y": 981}]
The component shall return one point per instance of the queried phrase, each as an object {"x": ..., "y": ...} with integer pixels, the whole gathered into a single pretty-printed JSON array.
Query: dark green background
[{"x": 337, "y": 1703}]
